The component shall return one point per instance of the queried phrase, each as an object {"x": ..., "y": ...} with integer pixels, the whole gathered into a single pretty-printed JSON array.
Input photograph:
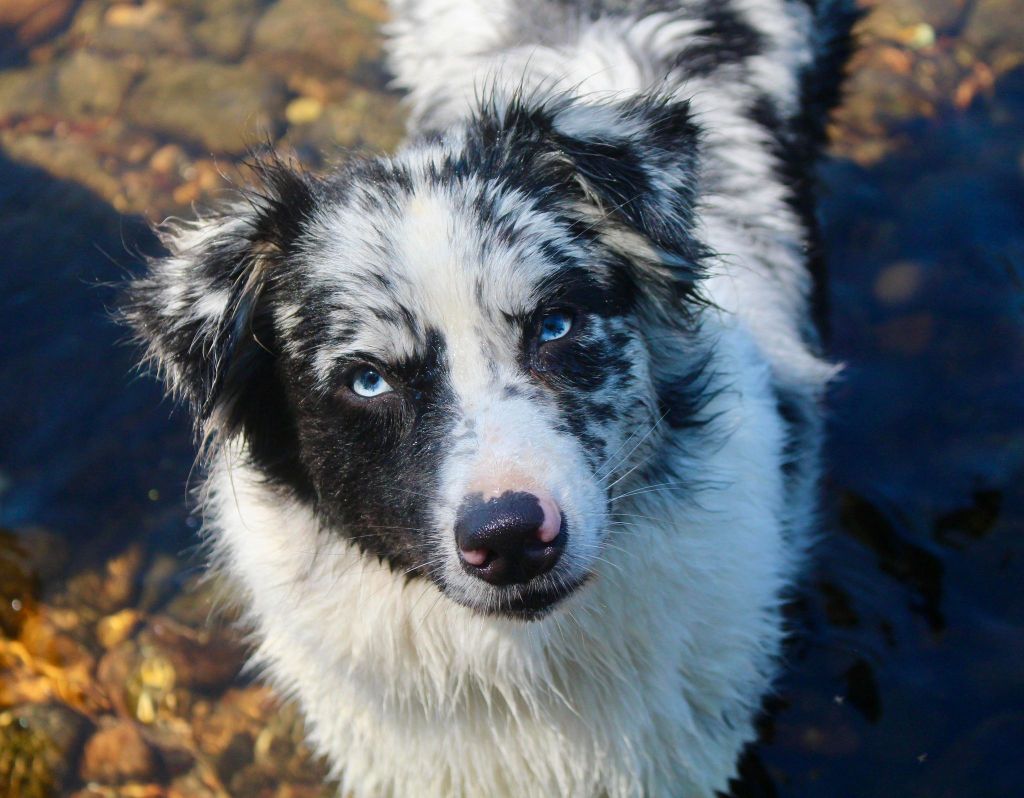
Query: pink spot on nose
[
  {"x": 552, "y": 523},
  {"x": 474, "y": 557}
]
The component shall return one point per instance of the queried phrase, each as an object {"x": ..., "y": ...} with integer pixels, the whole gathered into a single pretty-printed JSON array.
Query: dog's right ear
[{"x": 201, "y": 311}]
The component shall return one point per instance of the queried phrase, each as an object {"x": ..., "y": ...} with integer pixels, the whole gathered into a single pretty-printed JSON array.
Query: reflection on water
[{"x": 904, "y": 674}]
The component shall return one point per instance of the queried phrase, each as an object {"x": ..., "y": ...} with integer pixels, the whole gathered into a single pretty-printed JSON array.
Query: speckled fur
[{"x": 648, "y": 164}]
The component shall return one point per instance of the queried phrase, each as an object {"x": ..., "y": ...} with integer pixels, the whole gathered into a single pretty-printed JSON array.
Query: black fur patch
[
  {"x": 724, "y": 39},
  {"x": 375, "y": 465},
  {"x": 798, "y": 141}
]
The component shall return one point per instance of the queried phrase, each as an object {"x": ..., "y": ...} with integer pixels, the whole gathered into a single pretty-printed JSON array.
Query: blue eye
[
  {"x": 367, "y": 382},
  {"x": 554, "y": 326}
]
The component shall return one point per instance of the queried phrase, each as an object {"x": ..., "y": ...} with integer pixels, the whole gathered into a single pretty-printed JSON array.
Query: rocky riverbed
[
  {"x": 152, "y": 105},
  {"x": 124, "y": 680}
]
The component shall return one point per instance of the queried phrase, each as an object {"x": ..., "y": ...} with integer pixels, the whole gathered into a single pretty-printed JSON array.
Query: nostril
[
  {"x": 510, "y": 539},
  {"x": 552, "y": 523},
  {"x": 475, "y": 557}
]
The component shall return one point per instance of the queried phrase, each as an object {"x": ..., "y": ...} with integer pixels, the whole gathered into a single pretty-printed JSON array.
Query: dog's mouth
[{"x": 525, "y": 603}]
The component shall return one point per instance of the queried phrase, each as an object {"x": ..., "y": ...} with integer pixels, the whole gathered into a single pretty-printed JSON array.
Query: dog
[{"x": 512, "y": 438}]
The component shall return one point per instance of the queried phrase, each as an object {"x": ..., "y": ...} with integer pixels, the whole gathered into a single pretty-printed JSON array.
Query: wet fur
[{"x": 646, "y": 164}]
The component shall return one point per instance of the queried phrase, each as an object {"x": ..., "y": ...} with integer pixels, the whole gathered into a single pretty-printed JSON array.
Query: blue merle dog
[{"x": 512, "y": 438}]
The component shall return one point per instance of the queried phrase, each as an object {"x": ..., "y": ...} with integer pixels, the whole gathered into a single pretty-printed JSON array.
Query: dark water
[
  {"x": 88, "y": 447},
  {"x": 906, "y": 673}
]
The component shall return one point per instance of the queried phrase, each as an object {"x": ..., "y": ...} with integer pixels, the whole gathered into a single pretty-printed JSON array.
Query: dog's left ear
[
  {"x": 636, "y": 163},
  {"x": 202, "y": 311}
]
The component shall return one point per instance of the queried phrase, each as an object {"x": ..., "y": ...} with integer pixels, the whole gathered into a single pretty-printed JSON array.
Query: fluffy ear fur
[
  {"x": 631, "y": 169},
  {"x": 201, "y": 311}
]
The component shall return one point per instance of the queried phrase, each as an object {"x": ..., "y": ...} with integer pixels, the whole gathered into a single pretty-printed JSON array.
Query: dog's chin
[{"x": 525, "y": 603}]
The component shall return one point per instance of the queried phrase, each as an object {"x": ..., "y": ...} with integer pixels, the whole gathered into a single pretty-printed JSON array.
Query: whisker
[
  {"x": 665, "y": 486},
  {"x": 638, "y": 443}
]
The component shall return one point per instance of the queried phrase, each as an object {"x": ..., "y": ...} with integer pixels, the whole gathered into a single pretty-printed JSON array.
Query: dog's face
[{"x": 446, "y": 354}]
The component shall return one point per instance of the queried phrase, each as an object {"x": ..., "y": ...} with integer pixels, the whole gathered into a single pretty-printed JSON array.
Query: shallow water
[{"x": 905, "y": 674}]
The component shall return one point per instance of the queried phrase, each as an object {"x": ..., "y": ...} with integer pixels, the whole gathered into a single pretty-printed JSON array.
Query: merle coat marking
[{"x": 638, "y": 170}]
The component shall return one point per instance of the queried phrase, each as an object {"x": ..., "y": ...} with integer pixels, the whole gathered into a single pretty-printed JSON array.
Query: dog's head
[{"x": 449, "y": 355}]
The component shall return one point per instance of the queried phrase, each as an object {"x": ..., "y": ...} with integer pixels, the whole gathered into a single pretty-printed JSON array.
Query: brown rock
[
  {"x": 204, "y": 659},
  {"x": 141, "y": 683},
  {"x": 898, "y": 283},
  {"x": 193, "y": 785},
  {"x": 235, "y": 757},
  {"x": 49, "y": 665},
  {"x": 319, "y": 35},
  {"x": 202, "y": 597},
  {"x": 147, "y": 29},
  {"x": 303, "y": 110},
  {"x": 34, "y": 20},
  {"x": 363, "y": 119},
  {"x": 19, "y": 584},
  {"x": 130, "y": 15},
  {"x": 118, "y": 753},
  {"x": 208, "y": 175},
  {"x": 127, "y": 791},
  {"x": 186, "y": 194},
  {"x": 225, "y": 27},
  {"x": 44, "y": 638},
  {"x": 220, "y": 108},
  {"x": 38, "y": 747},
  {"x": 305, "y": 791},
  {"x": 281, "y": 748},
  {"x": 114, "y": 672},
  {"x": 27, "y": 91},
  {"x": 115, "y": 585},
  {"x": 122, "y": 577},
  {"x": 240, "y": 710},
  {"x": 171, "y": 740},
  {"x": 166, "y": 161},
  {"x": 89, "y": 84},
  {"x": 116, "y": 628}
]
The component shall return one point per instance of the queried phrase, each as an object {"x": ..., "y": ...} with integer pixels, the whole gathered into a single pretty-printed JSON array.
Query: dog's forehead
[{"x": 463, "y": 257}]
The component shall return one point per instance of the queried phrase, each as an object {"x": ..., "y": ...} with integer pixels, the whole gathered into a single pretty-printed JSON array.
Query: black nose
[{"x": 500, "y": 540}]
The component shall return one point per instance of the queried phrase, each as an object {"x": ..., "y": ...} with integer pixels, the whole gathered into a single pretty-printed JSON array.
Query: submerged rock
[
  {"x": 19, "y": 584},
  {"x": 318, "y": 35},
  {"x": 27, "y": 91},
  {"x": 117, "y": 753},
  {"x": 203, "y": 659},
  {"x": 225, "y": 26},
  {"x": 89, "y": 84},
  {"x": 147, "y": 29},
  {"x": 39, "y": 744},
  {"x": 217, "y": 107},
  {"x": 111, "y": 588},
  {"x": 31, "y": 21},
  {"x": 360, "y": 120},
  {"x": 114, "y": 629}
]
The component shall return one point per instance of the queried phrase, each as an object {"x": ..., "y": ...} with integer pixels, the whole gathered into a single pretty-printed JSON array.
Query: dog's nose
[{"x": 511, "y": 539}]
